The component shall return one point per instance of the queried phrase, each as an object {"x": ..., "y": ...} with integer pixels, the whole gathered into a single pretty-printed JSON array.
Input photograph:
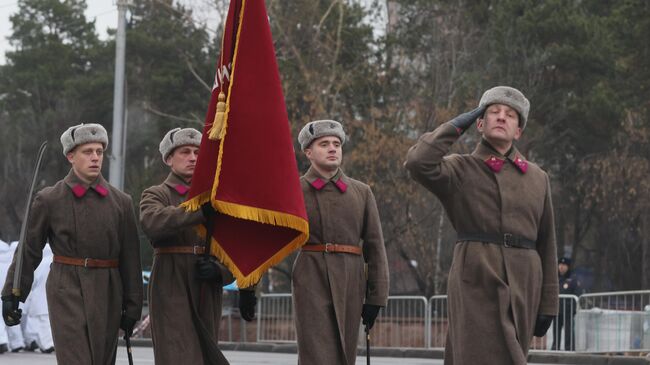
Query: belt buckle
[
  {"x": 195, "y": 249},
  {"x": 327, "y": 245},
  {"x": 86, "y": 262},
  {"x": 507, "y": 240}
]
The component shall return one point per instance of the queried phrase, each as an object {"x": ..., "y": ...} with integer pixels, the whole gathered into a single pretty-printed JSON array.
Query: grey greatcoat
[
  {"x": 495, "y": 292},
  {"x": 185, "y": 313},
  {"x": 85, "y": 304},
  {"x": 329, "y": 288}
]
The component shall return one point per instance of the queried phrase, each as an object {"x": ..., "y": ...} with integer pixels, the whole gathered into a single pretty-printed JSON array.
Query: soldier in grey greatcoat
[
  {"x": 185, "y": 289},
  {"x": 502, "y": 285},
  {"x": 331, "y": 291},
  {"x": 95, "y": 283}
]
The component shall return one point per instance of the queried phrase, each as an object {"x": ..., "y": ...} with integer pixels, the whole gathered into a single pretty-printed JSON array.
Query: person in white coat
[
  {"x": 14, "y": 334},
  {"x": 5, "y": 260},
  {"x": 37, "y": 331}
]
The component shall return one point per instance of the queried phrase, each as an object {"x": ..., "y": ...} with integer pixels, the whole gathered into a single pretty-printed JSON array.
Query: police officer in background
[{"x": 569, "y": 285}]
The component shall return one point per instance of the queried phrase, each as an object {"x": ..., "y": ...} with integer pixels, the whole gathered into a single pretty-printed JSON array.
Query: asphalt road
[{"x": 144, "y": 356}]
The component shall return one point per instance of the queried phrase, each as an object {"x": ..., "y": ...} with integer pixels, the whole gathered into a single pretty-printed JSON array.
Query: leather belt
[
  {"x": 333, "y": 248},
  {"x": 195, "y": 250},
  {"x": 86, "y": 262},
  {"x": 505, "y": 239}
]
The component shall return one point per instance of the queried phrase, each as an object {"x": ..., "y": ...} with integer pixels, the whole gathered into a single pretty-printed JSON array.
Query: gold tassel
[{"x": 217, "y": 125}]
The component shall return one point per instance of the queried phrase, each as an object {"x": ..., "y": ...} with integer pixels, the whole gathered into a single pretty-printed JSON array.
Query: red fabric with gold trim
[{"x": 257, "y": 193}]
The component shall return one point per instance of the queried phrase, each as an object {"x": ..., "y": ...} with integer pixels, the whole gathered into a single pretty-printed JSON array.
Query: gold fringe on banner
[{"x": 245, "y": 281}]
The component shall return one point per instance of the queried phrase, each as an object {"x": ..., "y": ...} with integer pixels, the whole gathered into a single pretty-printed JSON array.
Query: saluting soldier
[
  {"x": 185, "y": 289},
  {"x": 502, "y": 285},
  {"x": 95, "y": 283},
  {"x": 331, "y": 291}
]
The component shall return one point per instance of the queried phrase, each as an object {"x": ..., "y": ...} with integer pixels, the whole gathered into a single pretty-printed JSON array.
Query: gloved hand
[
  {"x": 465, "y": 120},
  {"x": 247, "y": 302},
  {"x": 542, "y": 324},
  {"x": 208, "y": 270},
  {"x": 369, "y": 314},
  {"x": 10, "y": 311},
  {"x": 208, "y": 210},
  {"x": 127, "y": 324}
]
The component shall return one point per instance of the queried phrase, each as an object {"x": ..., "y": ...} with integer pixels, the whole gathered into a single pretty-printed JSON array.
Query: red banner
[{"x": 246, "y": 166}]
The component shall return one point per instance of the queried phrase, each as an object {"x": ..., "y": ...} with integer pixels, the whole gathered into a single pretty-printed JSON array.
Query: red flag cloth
[{"x": 249, "y": 172}]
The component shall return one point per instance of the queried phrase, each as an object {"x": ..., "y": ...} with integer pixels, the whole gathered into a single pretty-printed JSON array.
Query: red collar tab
[
  {"x": 101, "y": 190},
  {"x": 341, "y": 185},
  {"x": 80, "y": 191},
  {"x": 494, "y": 163},
  {"x": 181, "y": 189},
  {"x": 521, "y": 164},
  {"x": 318, "y": 183}
]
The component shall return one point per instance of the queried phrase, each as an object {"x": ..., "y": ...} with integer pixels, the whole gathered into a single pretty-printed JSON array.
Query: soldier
[
  {"x": 331, "y": 292},
  {"x": 569, "y": 285},
  {"x": 185, "y": 288},
  {"x": 95, "y": 283},
  {"x": 502, "y": 285}
]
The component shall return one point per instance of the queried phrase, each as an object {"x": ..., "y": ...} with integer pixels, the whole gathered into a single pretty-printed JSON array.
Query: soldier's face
[
  {"x": 500, "y": 124},
  {"x": 325, "y": 153},
  {"x": 86, "y": 161},
  {"x": 183, "y": 161}
]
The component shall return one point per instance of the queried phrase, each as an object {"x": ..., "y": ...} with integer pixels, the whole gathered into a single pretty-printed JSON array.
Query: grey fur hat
[
  {"x": 320, "y": 128},
  {"x": 511, "y": 97},
  {"x": 178, "y": 137},
  {"x": 83, "y": 133}
]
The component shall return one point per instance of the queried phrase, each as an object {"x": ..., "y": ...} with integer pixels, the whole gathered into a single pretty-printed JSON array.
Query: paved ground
[{"x": 144, "y": 356}]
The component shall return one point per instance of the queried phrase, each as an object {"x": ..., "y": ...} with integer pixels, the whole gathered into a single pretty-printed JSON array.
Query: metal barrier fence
[
  {"x": 275, "y": 318},
  {"x": 401, "y": 324},
  {"x": 599, "y": 322},
  {"x": 614, "y": 322}
]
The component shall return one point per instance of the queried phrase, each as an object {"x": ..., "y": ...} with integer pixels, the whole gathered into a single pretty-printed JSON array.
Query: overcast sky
[{"x": 104, "y": 12}]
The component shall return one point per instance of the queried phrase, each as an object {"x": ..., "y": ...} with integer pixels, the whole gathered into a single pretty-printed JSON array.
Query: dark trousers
[{"x": 565, "y": 321}]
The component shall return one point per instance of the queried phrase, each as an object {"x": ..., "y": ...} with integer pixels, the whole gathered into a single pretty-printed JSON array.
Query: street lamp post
[{"x": 116, "y": 171}]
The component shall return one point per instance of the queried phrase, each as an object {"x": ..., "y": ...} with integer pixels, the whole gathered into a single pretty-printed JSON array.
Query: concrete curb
[{"x": 534, "y": 357}]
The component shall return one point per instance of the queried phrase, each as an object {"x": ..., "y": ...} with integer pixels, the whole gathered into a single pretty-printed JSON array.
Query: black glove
[
  {"x": 208, "y": 210},
  {"x": 542, "y": 324},
  {"x": 10, "y": 311},
  {"x": 247, "y": 302},
  {"x": 207, "y": 269},
  {"x": 465, "y": 120},
  {"x": 127, "y": 324},
  {"x": 369, "y": 314}
]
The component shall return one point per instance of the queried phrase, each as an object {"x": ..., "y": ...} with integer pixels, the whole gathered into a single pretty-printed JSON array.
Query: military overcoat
[
  {"x": 495, "y": 292},
  {"x": 329, "y": 289},
  {"x": 185, "y": 312},
  {"x": 85, "y": 304}
]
